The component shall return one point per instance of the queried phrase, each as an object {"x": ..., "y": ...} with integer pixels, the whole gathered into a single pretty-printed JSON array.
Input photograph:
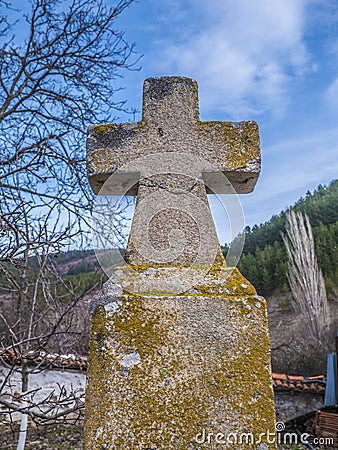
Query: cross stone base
[{"x": 188, "y": 371}]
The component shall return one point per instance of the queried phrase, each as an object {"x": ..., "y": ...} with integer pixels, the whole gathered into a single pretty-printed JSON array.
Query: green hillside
[{"x": 264, "y": 260}]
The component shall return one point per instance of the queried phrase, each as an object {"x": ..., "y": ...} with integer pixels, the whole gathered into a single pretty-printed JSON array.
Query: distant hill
[
  {"x": 264, "y": 260},
  {"x": 76, "y": 262}
]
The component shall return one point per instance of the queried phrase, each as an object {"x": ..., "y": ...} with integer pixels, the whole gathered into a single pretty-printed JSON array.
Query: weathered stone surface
[
  {"x": 170, "y": 123},
  {"x": 165, "y": 369},
  {"x": 172, "y": 224},
  {"x": 156, "y": 281}
]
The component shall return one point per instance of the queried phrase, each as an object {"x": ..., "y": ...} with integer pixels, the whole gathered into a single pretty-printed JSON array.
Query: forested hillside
[{"x": 264, "y": 260}]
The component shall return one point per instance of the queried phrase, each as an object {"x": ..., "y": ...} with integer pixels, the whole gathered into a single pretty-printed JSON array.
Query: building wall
[{"x": 289, "y": 405}]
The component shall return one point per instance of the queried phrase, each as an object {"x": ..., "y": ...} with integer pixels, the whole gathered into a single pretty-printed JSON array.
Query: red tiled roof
[
  {"x": 47, "y": 360},
  {"x": 284, "y": 382}
]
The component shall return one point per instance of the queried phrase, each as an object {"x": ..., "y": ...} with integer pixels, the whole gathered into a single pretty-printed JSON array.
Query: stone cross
[
  {"x": 176, "y": 158},
  {"x": 176, "y": 364}
]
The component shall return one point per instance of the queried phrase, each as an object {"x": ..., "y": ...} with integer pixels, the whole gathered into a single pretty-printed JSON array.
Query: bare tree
[
  {"x": 60, "y": 78},
  {"x": 51, "y": 87},
  {"x": 49, "y": 313},
  {"x": 305, "y": 277}
]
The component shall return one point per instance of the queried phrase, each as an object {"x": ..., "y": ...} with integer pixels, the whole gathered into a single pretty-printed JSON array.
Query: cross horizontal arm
[
  {"x": 229, "y": 147},
  {"x": 170, "y": 124}
]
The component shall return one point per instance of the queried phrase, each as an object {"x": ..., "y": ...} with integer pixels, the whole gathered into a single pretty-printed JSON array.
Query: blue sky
[{"x": 275, "y": 62}]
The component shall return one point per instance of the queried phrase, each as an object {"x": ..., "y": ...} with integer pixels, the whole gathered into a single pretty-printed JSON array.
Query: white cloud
[{"x": 243, "y": 52}]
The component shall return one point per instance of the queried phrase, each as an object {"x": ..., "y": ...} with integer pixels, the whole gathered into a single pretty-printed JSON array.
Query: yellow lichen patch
[
  {"x": 203, "y": 364},
  {"x": 102, "y": 160},
  {"x": 140, "y": 327},
  {"x": 106, "y": 128},
  {"x": 239, "y": 141}
]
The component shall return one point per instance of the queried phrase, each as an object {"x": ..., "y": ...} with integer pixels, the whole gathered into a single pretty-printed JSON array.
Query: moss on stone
[
  {"x": 190, "y": 376},
  {"x": 106, "y": 128}
]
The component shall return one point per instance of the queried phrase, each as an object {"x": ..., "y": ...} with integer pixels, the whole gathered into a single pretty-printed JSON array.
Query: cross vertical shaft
[{"x": 169, "y": 156}]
